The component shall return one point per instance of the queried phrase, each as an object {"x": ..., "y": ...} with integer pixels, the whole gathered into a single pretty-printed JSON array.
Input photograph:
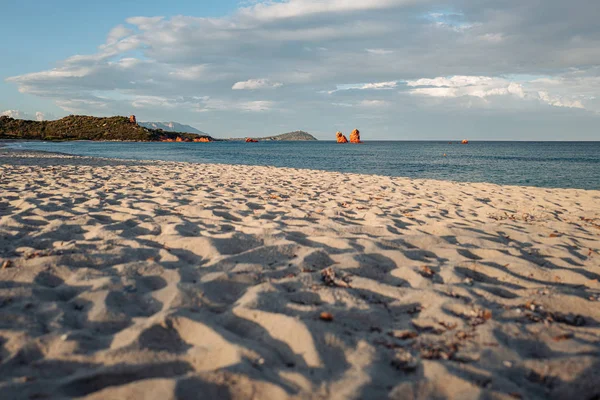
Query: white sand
[{"x": 173, "y": 281}]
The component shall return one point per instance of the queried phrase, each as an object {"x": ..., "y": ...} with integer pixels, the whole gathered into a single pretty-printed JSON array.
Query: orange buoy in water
[{"x": 465, "y": 141}]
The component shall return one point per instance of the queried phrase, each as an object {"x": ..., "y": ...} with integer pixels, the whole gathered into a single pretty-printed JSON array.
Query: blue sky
[
  {"x": 41, "y": 33},
  {"x": 396, "y": 69}
]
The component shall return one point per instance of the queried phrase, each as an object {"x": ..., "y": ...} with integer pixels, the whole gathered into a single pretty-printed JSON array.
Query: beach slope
[{"x": 162, "y": 280}]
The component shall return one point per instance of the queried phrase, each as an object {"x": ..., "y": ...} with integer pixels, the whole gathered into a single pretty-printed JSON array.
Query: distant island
[
  {"x": 290, "y": 136},
  {"x": 81, "y": 127}
]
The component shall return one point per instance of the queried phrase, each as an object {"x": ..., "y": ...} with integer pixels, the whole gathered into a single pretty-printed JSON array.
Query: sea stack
[
  {"x": 355, "y": 136},
  {"x": 341, "y": 138}
]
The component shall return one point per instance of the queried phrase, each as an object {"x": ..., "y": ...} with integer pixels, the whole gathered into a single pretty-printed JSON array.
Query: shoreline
[
  {"x": 454, "y": 141},
  {"x": 191, "y": 163},
  {"x": 141, "y": 277}
]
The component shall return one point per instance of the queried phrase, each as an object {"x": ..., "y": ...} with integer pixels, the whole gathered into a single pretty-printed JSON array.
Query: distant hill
[
  {"x": 80, "y": 127},
  {"x": 172, "y": 127},
  {"x": 290, "y": 136}
]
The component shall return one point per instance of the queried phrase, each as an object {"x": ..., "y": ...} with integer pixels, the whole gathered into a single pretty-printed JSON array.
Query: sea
[{"x": 541, "y": 164}]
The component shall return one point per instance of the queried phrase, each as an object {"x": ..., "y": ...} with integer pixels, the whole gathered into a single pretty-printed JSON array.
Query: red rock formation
[
  {"x": 250, "y": 140},
  {"x": 202, "y": 140},
  {"x": 132, "y": 119},
  {"x": 465, "y": 141},
  {"x": 341, "y": 138},
  {"x": 355, "y": 136}
]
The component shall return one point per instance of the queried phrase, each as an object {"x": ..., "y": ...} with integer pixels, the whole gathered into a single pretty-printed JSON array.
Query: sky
[{"x": 395, "y": 69}]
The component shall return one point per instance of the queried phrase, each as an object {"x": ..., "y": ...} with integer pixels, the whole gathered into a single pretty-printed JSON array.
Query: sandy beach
[{"x": 163, "y": 280}]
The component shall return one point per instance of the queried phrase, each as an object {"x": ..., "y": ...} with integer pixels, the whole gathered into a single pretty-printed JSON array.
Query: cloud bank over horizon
[
  {"x": 399, "y": 68},
  {"x": 18, "y": 114}
]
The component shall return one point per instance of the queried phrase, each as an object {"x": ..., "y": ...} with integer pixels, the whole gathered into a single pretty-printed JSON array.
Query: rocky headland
[{"x": 81, "y": 127}]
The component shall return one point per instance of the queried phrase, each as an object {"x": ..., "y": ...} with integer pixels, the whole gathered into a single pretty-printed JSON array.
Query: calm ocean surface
[{"x": 544, "y": 164}]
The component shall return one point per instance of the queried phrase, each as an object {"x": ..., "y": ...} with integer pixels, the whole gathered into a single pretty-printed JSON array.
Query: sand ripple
[{"x": 127, "y": 279}]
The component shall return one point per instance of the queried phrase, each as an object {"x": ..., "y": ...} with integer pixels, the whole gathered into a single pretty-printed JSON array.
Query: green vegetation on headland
[{"x": 79, "y": 127}]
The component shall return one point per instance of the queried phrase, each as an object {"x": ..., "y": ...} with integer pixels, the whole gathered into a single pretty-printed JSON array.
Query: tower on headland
[{"x": 132, "y": 119}]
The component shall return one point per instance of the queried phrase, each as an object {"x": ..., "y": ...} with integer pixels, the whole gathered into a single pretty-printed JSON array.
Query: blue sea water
[{"x": 543, "y": 164}]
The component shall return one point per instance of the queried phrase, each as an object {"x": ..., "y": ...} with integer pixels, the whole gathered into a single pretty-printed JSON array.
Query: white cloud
[
  {"x": 373, "y": 103},
  {"x": 201, "y": 104},
  {"x": 453, "y": 21},
  {"x": 182, "y": 65},
  {"x": 254, "y": 84},
  {"x": 492, "y": 37},
  {"x": 342, "y": 104},
  {"x": 269, "y": 10},
  {"x": 454, "y": 81},
  {"x": 128, "y": 62},
  {"x": 81, "y": 106},
  {"x": 256, "y": 106},
  {"x": 192, "y": 72},
  {"x": 380, "y": 52},
  {"x": 436, "y": 92},
  {"x": 365, "y": 86},
  {"x": 484, "y": 87},
  {"x": 144, "y": 23},
  {"x": 576, "y": 87},
  {"x": 456, "y": 28},
  {"x": 18, "y": 114},
  {"x": 118, "y": 32},
  {"x": 53, "y": 74},
  {"x": 153, "y": 102},
  {"x": 557, "y": 101},
  {"x": 379, "y": 85},
  {"x": 208, "y": 104}
]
